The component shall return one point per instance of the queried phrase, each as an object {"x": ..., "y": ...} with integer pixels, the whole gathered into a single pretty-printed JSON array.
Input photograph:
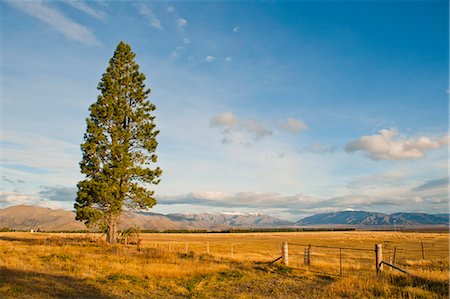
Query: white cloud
[
  {"x": 150, "y": 16},
  {"x": 226, "y": 119},
  {"x": 186, "y": 41},
  {"x": 210, "y": 58},
  {"x": 387, "y": 200},
  {"x": 289, "y": 202},
  {"x": 82, "y": 6},
  {"x": 170, "y": 9},
  {"x": 256, "y": 128},
  {"x": 44, "y": 12},
  {"x": 236, "y": 29},
  {"x": 240, "y": 199},
  {"x": 233, "y": 125},
  {"x": 388, "y": 145},
  {"x": 15, "y": 198},
  {"x": 181, "y": 23},
  {"x": 210, "y": 195},
  {"x": 293, "y": 125},
  {"x": 228, "y": 59}
]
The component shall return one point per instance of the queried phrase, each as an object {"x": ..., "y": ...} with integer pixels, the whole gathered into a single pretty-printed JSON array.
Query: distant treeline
[
  {"x": 246, "y": 230},
  {"x": 7, "y": 229},
  {"x": 198, "y": 231}
]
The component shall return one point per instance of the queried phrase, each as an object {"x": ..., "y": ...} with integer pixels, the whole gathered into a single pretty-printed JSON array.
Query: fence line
[
  {"x": 224, "y": 249},
  {"x": 333, "y": 260},
  {"x": 333, "y": 247},
  {"x": 387, "y": 249},
  {"x": 310, "y": 256}
]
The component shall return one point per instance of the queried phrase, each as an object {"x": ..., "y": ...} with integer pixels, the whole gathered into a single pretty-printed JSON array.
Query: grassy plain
[{"x": 41, "y": 265}]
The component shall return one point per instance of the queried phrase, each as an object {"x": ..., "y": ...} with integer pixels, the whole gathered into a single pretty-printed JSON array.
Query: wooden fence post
[
  {"x": 282, "y": 252},
  {"x": 390, "y": 262},
  {"x": 378, "y": 257},
  {"x": 285, "y": 253},
  {"x": 393, "y": 258},
  {"x": 423, "y": 254},
  {"x": 307, "y": 255},
  {"x": 207, "y": 247},
  {"x": 187, "y": 248}
]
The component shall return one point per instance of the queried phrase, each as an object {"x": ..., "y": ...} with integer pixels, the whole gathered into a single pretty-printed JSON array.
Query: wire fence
[
  {"x": 330, "y": 259},
  {"x": 333, "y": 260},
  {"x": 418, "y": 256}
]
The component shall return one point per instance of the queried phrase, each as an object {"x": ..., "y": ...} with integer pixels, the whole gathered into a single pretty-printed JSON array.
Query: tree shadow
[
  {"x": 19, "y": 239},
  {"x": 54, "y": 240},
  {"x": 439, "y": 287},
  {"x": 18, "y": 283}
]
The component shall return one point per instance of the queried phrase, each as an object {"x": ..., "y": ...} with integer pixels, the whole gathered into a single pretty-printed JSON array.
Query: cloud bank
[
  {"x": 390, "y": 145},
  {"x": 399, "y": 198},
  {"x": 383, "y": 195}
]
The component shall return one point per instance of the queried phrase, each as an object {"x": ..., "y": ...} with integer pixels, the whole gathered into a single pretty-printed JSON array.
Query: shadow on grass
[
  {"x": 18, "y": 239},
  {"x": 439, "y": 287},
  {"x": 16, "y": 283},
  {"x": 57, "y": 241},
  {"x": 280, "y": 268}
]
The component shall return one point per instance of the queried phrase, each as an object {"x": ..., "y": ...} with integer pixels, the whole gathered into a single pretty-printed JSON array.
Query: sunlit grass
[{"x": 178, "y": 265}]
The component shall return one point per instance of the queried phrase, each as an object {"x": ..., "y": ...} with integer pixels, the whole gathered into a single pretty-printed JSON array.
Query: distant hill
[
  {"x": 374, "y": 219},
  {"x": 24, "y": 217},
  {"x": 232, "y": 219}
]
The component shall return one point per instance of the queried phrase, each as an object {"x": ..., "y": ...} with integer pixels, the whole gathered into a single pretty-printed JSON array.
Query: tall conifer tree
[{"x": 119, "y": 147}]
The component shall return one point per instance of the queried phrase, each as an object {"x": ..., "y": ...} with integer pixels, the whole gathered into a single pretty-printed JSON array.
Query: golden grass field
[{"x": 43, "y": 265}]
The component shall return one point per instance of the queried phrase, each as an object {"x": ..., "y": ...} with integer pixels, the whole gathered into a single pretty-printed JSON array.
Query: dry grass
[{"x": 177, "y": 265}]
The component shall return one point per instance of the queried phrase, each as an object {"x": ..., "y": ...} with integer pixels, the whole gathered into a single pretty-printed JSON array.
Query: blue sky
[{"x": 283, "y": 108}]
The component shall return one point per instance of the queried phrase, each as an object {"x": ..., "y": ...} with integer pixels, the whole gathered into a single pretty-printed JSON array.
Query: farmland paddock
[
  {"x": 404, "y": 250},
  {"x": 320, "y": 264}
]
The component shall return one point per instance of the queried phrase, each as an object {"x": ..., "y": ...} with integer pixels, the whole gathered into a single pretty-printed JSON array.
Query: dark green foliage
[{"x": 119, "y": 146}]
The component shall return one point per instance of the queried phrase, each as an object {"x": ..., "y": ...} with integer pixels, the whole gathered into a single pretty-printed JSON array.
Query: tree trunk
[{"x": 111, "y": 234}]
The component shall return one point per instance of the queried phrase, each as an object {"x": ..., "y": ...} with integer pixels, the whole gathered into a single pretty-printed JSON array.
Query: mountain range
[
  {"x": 24, "y": 217},
  {"x": 231, "y": 219},
  {"x": 374, "y": 219}
]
